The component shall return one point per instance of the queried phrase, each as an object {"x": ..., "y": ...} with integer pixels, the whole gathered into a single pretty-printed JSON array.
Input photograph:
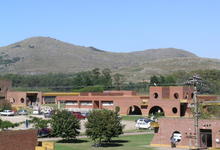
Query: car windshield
[{"x": 147, "y": 121}]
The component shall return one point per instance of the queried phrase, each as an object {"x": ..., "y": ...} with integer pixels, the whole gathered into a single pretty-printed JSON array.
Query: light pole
[{"x": 195, "y": 81}]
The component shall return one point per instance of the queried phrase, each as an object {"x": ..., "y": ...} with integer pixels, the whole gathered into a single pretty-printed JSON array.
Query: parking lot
[{"x": 129, "y": 125}]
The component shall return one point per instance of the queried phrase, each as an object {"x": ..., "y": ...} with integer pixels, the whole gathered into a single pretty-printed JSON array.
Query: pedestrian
[{"x": 172, "y": 141}]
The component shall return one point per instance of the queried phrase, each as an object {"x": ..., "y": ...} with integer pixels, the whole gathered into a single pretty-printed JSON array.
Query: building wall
[
  {"x": 172, "y": 100},
  {"x": 15, "y": 98},
  {"x": 5, "y": 85},
  {"x": 186, "y": 127},
  {"x": 18, "y": 140},
  {"x": 124, "y": 102},
  {"x": 18, "y": 98},
  {"x": 169, "y": 98}
]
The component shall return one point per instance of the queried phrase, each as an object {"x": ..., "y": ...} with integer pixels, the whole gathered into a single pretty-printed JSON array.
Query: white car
[
  {"x": 177, "y": 137},
  {"x": 36, "y": 112},
  {"x": 143, "y": 123},
  {"x": 7, "y": 113}
]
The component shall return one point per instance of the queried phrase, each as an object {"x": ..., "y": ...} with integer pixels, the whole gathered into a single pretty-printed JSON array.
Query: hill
[{"x": 40, "y": 55}]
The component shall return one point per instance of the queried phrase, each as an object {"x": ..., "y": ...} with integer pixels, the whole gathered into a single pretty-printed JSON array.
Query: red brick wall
[
  {"x": 5, "y": 85},
  {"x": 17, "y": 97},
  {"x": 18, "y": 140},
  {"x": 185, "y": 126},
  {"x": 166, "y": 105}
]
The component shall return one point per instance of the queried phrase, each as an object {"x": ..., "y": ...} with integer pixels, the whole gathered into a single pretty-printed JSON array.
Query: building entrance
[{"x": 205, "y": 138}]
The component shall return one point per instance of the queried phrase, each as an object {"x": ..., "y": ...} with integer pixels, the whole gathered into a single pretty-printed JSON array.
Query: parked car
[
  {"x": 85, "y": 114},
  {"x": 78, "y": 115},
  {"x": 7, "y": 113},
  {"x": 143, "y": 123},
  {"x": 36, "y": 112},
  {"x": 22, "y": 112},
  {"x": 177, "y": 137},
  {"x": 48, "y": 114},
  {"x": 44, "y": 132}
]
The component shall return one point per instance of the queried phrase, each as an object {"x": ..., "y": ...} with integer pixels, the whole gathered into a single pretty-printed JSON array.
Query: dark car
[
  {"x": 78, "y": 115},
  {"x": 44, "y": 132}
]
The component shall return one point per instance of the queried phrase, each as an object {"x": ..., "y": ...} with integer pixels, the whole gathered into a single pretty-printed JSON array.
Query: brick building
[
  {"x": 5, "y": 85},
  {"x": 209, "y": 133},
  {"x": 172, "y": 101},
  {"x": 18, "y": 98},
  {"x": 18, "y": 140},
  {"x": 128, "y": 101}
]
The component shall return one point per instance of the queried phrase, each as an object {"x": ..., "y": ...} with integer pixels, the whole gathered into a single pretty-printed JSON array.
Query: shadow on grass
[
  {"x": 72, "y": 141},
  {"x": 113, "y": 143}
]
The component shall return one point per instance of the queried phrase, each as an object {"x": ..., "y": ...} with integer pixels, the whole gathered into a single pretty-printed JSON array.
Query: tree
[
  {"x": 118, "y": 80},
  {"x": 7, "y": 124},
  {"x": 65, "y": 125},
  {"x": 103, "y": 125},
  {"x": 106, "y": 78},
  {"x": 154, "y": 80}
]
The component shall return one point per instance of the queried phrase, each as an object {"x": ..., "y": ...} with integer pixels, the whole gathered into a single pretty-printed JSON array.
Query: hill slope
[{"x": 39, "y": 55}]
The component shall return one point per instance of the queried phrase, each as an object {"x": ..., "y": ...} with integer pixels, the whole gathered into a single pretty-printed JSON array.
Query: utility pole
[{"x": 195, "y": 81}]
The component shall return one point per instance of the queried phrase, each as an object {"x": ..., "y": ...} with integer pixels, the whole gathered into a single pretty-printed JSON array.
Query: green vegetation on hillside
[{"x": 210, "y": 78}]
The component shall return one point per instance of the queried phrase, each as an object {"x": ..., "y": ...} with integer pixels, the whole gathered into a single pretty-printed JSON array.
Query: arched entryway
[
  {"x": 134, "y": 110},
  {"x": 156, "y": 110}
]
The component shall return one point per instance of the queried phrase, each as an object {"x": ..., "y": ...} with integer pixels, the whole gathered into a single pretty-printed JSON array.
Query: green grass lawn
[
  {"x": 131, "y": 142},
  {"x": 132, "y": 117}
]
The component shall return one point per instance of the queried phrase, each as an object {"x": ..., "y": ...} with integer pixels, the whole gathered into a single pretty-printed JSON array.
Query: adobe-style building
[
  {"x": 128, "y": 101},
  {"x": 22, "y": 99},
  {"x": 172, "y": 101},
  {"x": 209, "y": 133},
  {"x": 5, "y": 85}
]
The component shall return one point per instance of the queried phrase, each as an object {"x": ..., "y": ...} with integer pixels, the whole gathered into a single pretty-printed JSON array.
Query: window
[
  {"x": 156, "y": 95},
  {"x": 86, "y": 103},
  {"x": 176, "y": 95},
  {"x": 22, "y": 100},
  {"x": 107, "y": 103},
  {"x": 174, "y": 110},
  {"x": 71, "y": 103}
]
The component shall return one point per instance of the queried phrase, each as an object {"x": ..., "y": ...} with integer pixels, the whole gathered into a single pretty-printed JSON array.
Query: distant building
[
  {"x": 5, "y": 85},
  {"x": 19, "y": 98}
]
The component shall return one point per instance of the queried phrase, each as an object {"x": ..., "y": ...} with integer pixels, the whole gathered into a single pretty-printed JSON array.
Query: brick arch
[
  {"x": 155, "y": 109},
  {"x": 134, "y": 110}
]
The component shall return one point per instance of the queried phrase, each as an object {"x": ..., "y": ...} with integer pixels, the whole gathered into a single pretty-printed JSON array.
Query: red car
[{"x": 78, "y": 115}]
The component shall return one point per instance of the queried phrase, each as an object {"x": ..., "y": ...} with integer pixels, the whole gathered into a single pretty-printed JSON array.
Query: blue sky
[{"x": 116, "y": 25}]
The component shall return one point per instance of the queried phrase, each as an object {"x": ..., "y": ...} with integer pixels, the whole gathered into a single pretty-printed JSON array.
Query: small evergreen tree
[
  {"x": 65, "y": 125},
  {"x": 103, "y": 125}
]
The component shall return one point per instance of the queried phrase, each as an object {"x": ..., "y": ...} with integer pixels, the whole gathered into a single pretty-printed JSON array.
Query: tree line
[
  {"x": 94, "y": 80},
  {"x": 97, "y": 80},
  {"x": 210, "y": 79}
]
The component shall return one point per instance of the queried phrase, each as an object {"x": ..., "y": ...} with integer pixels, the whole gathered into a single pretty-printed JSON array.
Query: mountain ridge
[{"x": 40, "y": 55}]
